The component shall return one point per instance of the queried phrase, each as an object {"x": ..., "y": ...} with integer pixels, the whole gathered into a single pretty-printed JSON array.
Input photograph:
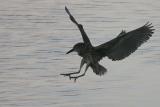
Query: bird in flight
[{"x": 116, "y": 49}]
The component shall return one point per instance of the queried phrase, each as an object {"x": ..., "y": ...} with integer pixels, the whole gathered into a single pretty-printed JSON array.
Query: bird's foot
[
  {"x": 68, "y": 74},
  {"x": 75, "y": 78}
]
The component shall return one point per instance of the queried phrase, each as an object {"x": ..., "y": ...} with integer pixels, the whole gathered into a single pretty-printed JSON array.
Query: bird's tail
[{"x": 98, "y": 69}]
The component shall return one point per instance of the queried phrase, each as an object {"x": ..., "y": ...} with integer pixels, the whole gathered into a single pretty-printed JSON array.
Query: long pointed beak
[{"x": 70, "y": 51}]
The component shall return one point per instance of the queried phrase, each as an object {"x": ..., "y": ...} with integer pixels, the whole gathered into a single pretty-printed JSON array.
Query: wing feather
[
  {"x": 125, "y": 44},
  {"x": 80, "y": 27}
]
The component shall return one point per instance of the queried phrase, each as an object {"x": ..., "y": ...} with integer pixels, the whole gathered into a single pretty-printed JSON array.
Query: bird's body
[{"x": 116, "y": 49}]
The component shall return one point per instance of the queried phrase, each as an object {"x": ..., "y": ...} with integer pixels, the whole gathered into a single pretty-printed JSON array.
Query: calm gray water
[{"x": 36, "y": 34}]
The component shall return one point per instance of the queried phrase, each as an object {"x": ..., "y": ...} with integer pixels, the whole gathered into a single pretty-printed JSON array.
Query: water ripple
[{"x": 35, "y": 35}]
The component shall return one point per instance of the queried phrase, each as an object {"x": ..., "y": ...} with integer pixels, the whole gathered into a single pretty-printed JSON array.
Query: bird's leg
[
  {"x": 75, "y": 77},
  {"x": 81, "y": 65}
]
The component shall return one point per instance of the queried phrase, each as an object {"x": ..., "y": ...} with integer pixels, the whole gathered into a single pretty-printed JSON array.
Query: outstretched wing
[
  {"x": 80, "y": 27},
  {"x": 125, "y": 43}
]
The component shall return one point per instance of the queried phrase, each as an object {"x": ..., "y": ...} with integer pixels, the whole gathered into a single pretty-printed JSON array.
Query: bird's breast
[{"x": 90, "y": 58}]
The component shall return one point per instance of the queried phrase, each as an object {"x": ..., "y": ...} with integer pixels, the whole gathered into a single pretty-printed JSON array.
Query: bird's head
[{"x": 77, "y": 48}]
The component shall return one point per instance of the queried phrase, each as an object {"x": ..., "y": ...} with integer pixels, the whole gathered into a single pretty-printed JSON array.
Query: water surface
[{"x": 35, "y": 35}]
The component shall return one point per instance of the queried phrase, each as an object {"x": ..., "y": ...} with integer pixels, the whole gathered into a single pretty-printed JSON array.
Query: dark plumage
[{"x": 116, "y": 49}]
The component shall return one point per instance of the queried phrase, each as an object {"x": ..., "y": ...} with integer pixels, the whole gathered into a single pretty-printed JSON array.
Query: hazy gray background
[{"x": 36, "y": 34}]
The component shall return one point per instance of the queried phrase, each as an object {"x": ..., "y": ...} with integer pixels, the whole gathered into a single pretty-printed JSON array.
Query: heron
[{"x": 123, "y": 45}]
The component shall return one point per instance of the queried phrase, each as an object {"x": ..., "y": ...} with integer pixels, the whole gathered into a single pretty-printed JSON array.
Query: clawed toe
[
  {"x": 65, "y": 74},
  {"x": 72, "y": 77},
  {"x": 75, "y": 78}
]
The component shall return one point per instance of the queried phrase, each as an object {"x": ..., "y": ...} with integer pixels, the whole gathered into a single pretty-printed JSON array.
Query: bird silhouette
[{"x": 116, "y": 49}]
